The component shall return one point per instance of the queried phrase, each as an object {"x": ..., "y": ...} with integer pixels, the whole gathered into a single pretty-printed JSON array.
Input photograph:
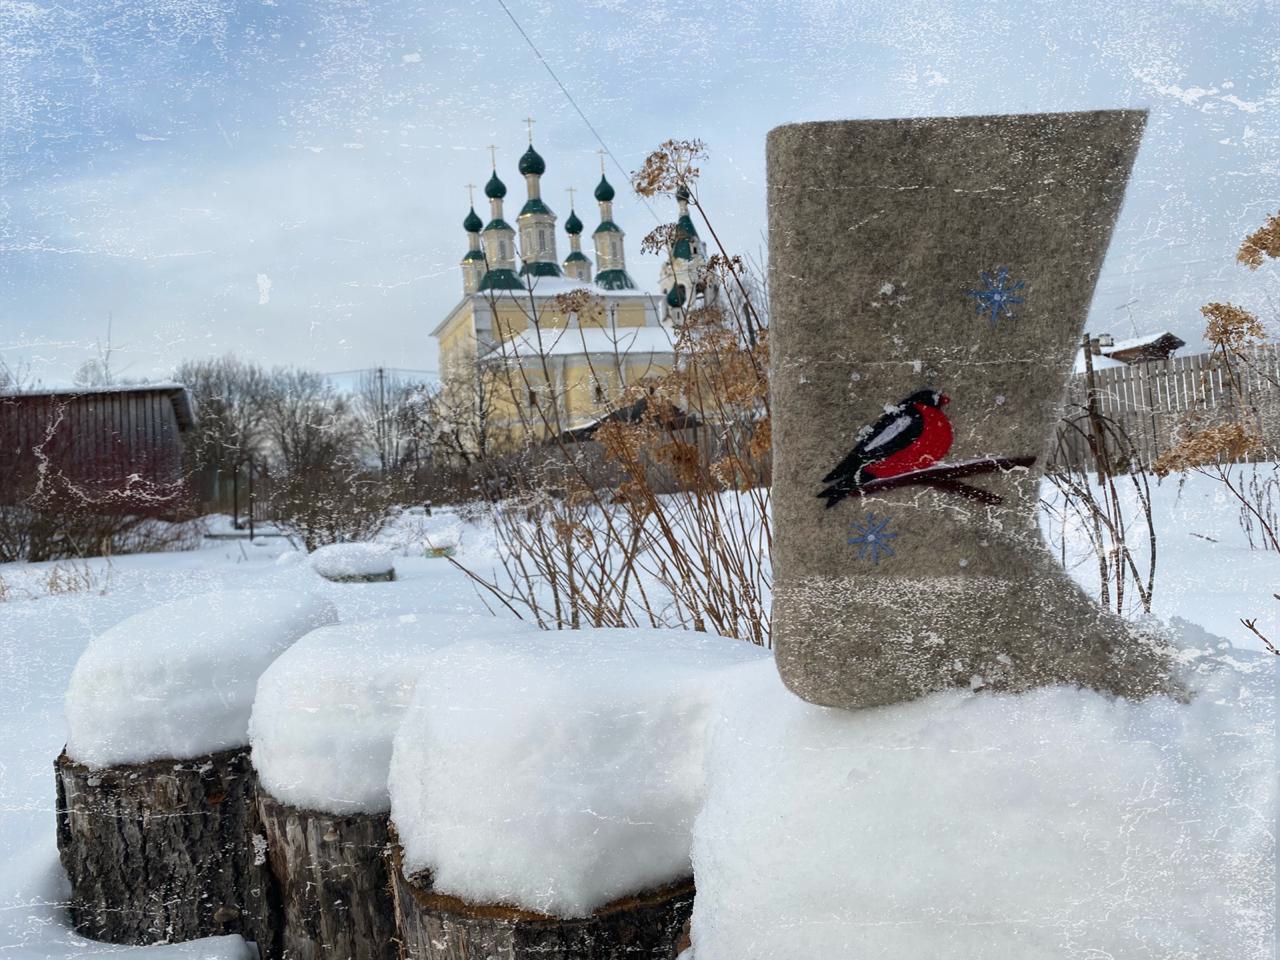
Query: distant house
[
  {"x": 1109, "y": 352},
  {"x": 1151, "y": 346},
  {"x": 102, "y": 441}
]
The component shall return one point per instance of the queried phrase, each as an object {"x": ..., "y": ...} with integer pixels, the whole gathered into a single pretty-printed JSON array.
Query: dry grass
[{"x": 64, "y": 578}]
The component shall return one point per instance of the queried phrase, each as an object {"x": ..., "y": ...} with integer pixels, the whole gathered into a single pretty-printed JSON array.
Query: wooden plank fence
[{"x": 1157, "y": 401}]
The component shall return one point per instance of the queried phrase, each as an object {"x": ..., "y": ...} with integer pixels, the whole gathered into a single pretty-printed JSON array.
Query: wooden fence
[{"x": 1158, "y": 401}]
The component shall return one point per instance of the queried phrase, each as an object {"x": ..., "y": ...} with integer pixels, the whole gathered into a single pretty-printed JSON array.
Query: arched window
[{"x": 542, "y": 240}]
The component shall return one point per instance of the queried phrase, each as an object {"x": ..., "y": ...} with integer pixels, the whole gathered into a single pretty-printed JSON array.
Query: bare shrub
[
  {"x": 335, "y": 503},
  {"x": 1097, "y": 505}
]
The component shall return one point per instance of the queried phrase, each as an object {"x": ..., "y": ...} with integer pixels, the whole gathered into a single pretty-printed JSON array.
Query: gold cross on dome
[
  {"x": 471, "y": 193},
  {"x": 493, "y": 155},
  {"x": 530, "y": 121},
  {"x": 601, "y": 152},
  {"x": 571, "y": 193}
]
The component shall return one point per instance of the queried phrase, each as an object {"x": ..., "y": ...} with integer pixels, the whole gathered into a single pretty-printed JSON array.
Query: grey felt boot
[{"x": 930, "y": 280}]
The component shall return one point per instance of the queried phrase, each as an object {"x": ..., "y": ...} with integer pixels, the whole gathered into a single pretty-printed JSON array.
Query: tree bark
[
  {"x": 167, "y": 851},
  {"x": 433, "y": 926},
  {"x": 333, "y": 881}
]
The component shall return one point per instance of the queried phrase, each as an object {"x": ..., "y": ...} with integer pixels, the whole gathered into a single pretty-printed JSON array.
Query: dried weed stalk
[
  {"x": 1098, "y": 506},
  {"x": 1263, "y": 242}
]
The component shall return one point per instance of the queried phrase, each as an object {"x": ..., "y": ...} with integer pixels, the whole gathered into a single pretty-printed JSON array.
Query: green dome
[
  {"x": 530, "y": 162},
  {"x": 573, "y": 224},
  {"x": 495, "y": 189},
  {"x": 540, "y": 268},
  {"x": 472, "y": 224},
  {"x": 615, "y": 280},
  {"x": 685, "y": 234},
  {"x": 675, "y": 296},
  {"x": 604, "y": 190},
  {"x": 682, "y": 193},
  {"x": 501, "y": 279},
  {"x": 535, "y": 205}
]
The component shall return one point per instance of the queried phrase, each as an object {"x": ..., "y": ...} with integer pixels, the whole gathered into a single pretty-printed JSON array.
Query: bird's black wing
[{"x": 896, "y": 430}]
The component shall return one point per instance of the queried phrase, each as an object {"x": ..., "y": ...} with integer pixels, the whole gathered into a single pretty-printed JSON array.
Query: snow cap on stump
[
  {"x": 327, "y": 709},
  {"x": 563, "y": 773},
  {"x": 354, "y": 562},
  {"x": 178, "y": 680}
]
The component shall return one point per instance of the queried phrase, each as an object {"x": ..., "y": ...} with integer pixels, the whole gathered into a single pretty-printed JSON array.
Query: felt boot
[{"x": 930, "y": 280}]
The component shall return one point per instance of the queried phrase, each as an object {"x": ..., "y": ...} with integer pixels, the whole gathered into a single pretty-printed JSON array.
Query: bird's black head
[{"x": 928, "y": 398}]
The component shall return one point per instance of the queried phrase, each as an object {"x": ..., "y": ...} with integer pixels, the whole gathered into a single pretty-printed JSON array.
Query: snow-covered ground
[
  {"x": 1205, "y": 572},
  {"x": 964, "y": 826},
  {"x": 1206, "y": 575}
]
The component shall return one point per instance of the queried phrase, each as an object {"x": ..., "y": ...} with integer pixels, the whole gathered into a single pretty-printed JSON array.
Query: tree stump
[
  {"x": 166, "y": 851},
  {"x": 333, "y": 881},
  {"x": 434, "y": 926}
]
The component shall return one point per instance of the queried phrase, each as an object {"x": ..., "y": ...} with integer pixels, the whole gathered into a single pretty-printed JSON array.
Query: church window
[{"x": 542, "y": 241}]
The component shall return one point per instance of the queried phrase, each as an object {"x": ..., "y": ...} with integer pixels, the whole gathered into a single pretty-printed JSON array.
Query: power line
[
  {"x": 339, "y": 373},
  {"x": 574, "y": 103}
]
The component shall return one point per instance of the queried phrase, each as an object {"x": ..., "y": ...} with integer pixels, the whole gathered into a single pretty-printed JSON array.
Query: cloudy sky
[{"x": 285, "y": 178}]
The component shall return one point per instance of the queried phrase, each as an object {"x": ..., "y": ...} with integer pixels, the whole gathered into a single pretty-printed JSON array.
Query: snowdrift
[{"x": 1060, "y": 823}]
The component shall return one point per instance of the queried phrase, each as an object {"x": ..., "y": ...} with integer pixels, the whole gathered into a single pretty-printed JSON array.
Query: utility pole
[{"x": 382, "y": 431}]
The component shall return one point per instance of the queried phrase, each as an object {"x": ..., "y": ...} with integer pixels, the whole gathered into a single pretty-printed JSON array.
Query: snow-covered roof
[
  {"x": 569, "y": 341},
  {"x": 1099, "y": 363},
  {"x": 184, "y": 405},
  {"x": 543, "y": 289},
  {"x": 554, "y": 286},
  {"x": 72, "y": 390}
]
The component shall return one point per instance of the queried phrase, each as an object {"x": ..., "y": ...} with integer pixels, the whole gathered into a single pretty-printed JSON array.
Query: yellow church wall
[
  {"x": 630, "y": 313},
  {"x": 458, "y": 343}
]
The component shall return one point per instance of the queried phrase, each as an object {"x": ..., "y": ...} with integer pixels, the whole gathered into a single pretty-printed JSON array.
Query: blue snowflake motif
[
  {"x": 997, "y": 297},
  {"x": 871, "y": 537}
]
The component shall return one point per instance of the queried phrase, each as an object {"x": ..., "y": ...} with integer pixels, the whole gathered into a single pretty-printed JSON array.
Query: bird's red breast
[{"x": 927, "y": 449}]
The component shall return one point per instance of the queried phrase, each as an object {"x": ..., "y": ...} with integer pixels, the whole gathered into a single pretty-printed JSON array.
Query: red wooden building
[{"x": 114, "y": 447}]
